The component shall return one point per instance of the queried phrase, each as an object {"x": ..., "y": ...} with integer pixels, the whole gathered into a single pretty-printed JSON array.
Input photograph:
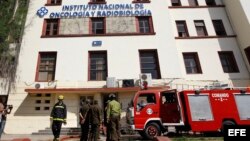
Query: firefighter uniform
[
  {"x": 113, "y": 118},
  {"x": 85, "y": 115},
  {"x": 96, "y": 121},
  {"x": 58, "y": 116}
]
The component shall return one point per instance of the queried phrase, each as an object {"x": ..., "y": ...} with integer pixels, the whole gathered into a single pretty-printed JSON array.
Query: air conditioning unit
[
  {"x": 111, "y": 82},
  {"x": 39, "y": 85},
  {"x": 128, "y": 83},
  {"x": 146, "y": 77}
]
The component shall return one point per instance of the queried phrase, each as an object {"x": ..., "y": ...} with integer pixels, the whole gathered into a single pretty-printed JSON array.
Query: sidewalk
[{"x": 29, "y": 137}]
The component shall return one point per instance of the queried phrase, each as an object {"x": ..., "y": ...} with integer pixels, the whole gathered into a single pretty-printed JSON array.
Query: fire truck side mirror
[
  {"x": 197, "y": 92},
  {"x": 242, "y": 92}
]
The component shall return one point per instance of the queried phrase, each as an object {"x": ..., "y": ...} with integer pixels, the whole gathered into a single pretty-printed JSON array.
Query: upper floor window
[
  {"x": 210, "y": 2},
  {"x": 51, "y": 27},
  {"x": 46, "y": 66},
  {"x": 149, "y": 63},
  {"x": 98, "y": 26},
  {"x": 228, "y": 62},
  {"x": 98, "y": 65},
  {"x": 176, "y": 2},
  {"x": 145, "y": 24},
  {"x": 200, "y": 28},
  {"x": 142, "y": 1},
  {"x": 54, "y": 2},
  {"x": 247, "y": 52},
  {"x": 182, "y": 28},
  {"x": 219, "y": 28},
  {"x": 192, "y": 63},
  {"x": 97, "y": 1},
  {"x": 193, "y": 2}
]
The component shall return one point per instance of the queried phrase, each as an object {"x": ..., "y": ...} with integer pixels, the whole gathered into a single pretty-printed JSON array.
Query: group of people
[{"x": 90, "y": 119}]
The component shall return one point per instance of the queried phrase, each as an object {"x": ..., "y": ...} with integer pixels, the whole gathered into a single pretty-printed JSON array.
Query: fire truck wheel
[
  {"x": 152, "y": 130},
  {"x": 225, "y": 123}
]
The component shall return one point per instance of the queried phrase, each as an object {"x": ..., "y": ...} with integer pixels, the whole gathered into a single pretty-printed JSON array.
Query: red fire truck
[{"x": 156, "y": 111}]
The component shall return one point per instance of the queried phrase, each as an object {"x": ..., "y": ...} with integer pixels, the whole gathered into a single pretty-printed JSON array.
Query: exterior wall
[
  {"x": 240, "y": 23},
  {"x": 122, "y": 58}
]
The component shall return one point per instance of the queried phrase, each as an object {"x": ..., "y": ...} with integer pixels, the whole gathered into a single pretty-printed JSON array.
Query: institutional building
[{"x": 89, "y": 49}]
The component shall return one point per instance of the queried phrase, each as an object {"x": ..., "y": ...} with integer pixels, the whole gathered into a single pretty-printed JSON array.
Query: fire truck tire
[
  {"x": 225, "y": 123},
  {"x": 152, "y": 130}
]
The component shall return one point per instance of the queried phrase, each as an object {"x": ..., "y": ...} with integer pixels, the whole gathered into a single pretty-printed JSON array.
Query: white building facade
[{"x": 88, "y": 49}]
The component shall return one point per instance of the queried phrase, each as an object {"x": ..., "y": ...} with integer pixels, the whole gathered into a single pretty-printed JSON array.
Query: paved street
[{"x": 22, "y": 137}]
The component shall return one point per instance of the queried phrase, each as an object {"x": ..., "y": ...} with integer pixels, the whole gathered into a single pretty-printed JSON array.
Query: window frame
[
  {"x": 141, "y": 1},
  {"x": 49, "y": 2},
  {"x": 39, "y": 65},
  {"x": 184, "y": 24},
  {"x": 150, "y": 24},
  {"x": 231, "y": 63},
  {"x": 97, "y": 2},
  {"x": 103, "y": 19},
  {"x": 105, "y": 71},
  {"x": 202, "y": 27},
  {"x": 45, "y": 26},
  {"x": 210, "y": 2},
  {"x": 156, "y": 63},
  {"x": 176, "y": 2},
  {"x": 197, "y": 66},
  {"x": 222, "y": 30}
]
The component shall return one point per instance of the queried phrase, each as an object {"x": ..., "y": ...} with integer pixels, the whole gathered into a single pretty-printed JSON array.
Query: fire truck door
[{"x": 169, "y": 108}]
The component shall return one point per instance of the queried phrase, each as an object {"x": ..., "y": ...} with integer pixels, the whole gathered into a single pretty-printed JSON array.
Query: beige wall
[
  {"x": 240, "y": 22},
  {"x": 121, "y": 25}
]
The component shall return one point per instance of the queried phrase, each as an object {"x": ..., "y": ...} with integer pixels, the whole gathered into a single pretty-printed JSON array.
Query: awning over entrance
[{"x": 85, "y": 90}]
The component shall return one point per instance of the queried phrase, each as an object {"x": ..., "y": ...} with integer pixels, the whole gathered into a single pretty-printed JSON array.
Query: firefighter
[
  {"x": 96, "y": 113},
  {"x": 84, "y": 114},
  {"x": 58, "y": 116},
  {"x": 113, "y": 118}
]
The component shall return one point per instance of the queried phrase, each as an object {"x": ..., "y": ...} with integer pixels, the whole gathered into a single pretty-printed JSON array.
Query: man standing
[
  {"x": 113, "y": 118},
  {"x": 58, "y": 116},
  {"x": 85, "y": 119},
  {"x": 96, "y": 120}
]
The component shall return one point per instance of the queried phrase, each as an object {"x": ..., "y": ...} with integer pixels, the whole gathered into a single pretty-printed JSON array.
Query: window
[
  {"x": 46, "y": 66},
  {"x": 193, "y": 2},
  {"x": 51, "y": 27},
  {"x": 219, "y": 28},
  {"x": 200, "y": 28},
  {"x": 192, "y": 63},
  {"x": 182, "y": 28},
  {"x": 97, "y": 25},
  {"x": 210, "y": 2},
  {"x": 55, "y": 2},
  {"x": 228, "y": 62},
  {"x": 247, "y": 52},
  {"x": 97, "y": 1},
  {"x": 149, "y": 63},
  {"x": 176, "y": 2},
  {"x": 98, "y": 65},
  {"x": 145, "y": 24},
  {"x": 144, "y": 100}
]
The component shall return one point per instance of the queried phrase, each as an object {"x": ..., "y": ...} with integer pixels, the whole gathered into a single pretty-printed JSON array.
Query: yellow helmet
[{"x": 60, "y": 97}]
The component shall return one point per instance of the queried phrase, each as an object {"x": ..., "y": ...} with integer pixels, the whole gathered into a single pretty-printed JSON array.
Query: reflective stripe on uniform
[
  {"x": 59, "y": 107},
  {"x": 59, "y": 119}
]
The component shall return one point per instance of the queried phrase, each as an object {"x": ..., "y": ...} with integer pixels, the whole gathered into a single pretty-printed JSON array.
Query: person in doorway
[
  {"x": 96, "y": 113},
  {"x": 85, "y": 116},
  {"x": 58, "y": 116},
  {"x": 113, "y": 118},
  {"x": 3, "y": 115}
]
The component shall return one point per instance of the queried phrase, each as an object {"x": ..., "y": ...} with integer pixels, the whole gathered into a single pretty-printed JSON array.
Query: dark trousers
[
  {"x": 114, "y": 127},
  {"x": 94, "y": 132},
  {"x": 84, "y": 131},
  {"x": 56, "y": 128}
]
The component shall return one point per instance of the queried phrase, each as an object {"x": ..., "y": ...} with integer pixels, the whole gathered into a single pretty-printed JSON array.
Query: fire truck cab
[{"x": 156, "y": 111}]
